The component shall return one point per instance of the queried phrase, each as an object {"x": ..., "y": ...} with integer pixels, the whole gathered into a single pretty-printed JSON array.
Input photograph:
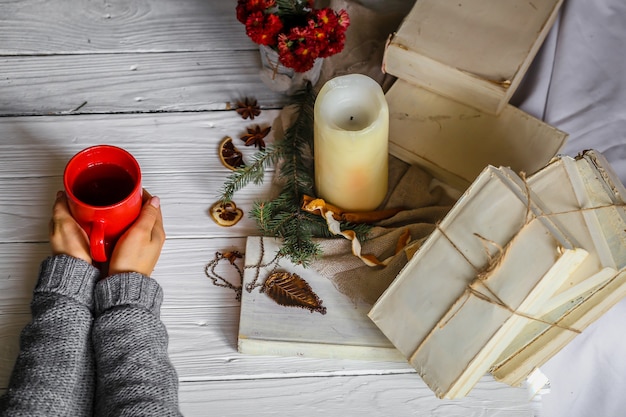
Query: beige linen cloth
[{"x": 410, "y": 187}]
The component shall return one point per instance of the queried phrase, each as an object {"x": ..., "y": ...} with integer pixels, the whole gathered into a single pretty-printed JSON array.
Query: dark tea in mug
[
  {"x": 103, "y": 185},
  {"x": 104, "y": 195}
]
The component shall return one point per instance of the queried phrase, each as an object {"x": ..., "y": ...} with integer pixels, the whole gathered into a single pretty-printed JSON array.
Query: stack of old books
[
  {"x": 534, "y": 250},
  {"x": 517, "y": 269}
]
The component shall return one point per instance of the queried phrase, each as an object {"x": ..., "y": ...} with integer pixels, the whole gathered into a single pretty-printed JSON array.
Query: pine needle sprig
[
  {"x": 283, "y": 216},
  {"x": 291, "y": 8},
  {"x": 251, "y": 173}
]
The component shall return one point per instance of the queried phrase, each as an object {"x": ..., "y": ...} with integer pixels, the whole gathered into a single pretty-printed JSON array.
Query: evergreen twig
[
  {"x": 254, "y": 172},
  {"x": 283, "y": 216}
]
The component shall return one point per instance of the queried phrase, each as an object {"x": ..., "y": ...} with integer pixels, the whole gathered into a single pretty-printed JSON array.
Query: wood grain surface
[{"x": 159, "y": 78}]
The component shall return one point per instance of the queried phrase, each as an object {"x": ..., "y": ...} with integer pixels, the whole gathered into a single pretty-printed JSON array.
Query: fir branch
[
  {"x": 306, "y": 249},
  {"x": 253, "y": 172},
  {"x": 289, "y": 221},
  {"x": 283, "y": 216},
  {"x": 291, "y": 7}
]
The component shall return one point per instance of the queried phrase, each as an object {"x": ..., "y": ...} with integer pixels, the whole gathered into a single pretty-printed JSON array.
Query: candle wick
[{"x": 351, "y": 117}]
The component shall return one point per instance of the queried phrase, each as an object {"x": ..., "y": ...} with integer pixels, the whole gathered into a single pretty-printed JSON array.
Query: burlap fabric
[
  {"x": 410, "y": 188},
  {"x": 424, "y": 202}
]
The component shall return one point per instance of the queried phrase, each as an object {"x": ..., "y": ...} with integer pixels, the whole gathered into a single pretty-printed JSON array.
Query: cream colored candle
[{"x": 351, "y": 122}]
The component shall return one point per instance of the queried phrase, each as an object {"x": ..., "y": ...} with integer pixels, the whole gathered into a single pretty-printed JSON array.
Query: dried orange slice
[
  {"x": 225, "y": 214},
  {"x": 230, "y": 156}
]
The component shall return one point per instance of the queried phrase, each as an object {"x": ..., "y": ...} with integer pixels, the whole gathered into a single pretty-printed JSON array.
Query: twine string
[
  {"x": 483, "y": 274},
  {"x": 493, "y": 262},
  {"x": 232, "y": 256}
]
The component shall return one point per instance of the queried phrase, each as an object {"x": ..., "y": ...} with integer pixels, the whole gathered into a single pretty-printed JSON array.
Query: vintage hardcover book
[
  {"x": 457, "y": 304},
  {"x": 499, "y": 308},
  {"x": 267, "y": 328},
  {"x": 472, "y": 51},
  {"x": 569, "y": 321},
  {"x": 455, "y": 142}
]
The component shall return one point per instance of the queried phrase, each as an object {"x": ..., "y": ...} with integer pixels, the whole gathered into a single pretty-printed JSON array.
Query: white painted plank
[
  {"x": 183, "y": 281},
  {"x": 19, "y": 266},
  {"x": 353, "y": 396},
  {"x": 83, "y": 26},
  {"x": 161, "y": 142},
  {"x": 153, "y": 82},
  {"x": 10, "y": 327},
  {"x": 177, "y": 152},
  {"x": 25, "y": 205},
  {"x": 202, "y": 346}
]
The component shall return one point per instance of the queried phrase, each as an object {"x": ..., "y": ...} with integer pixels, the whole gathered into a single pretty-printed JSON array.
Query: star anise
[
  {"x": 232, "y": 256},
  {"x": 248, "y": 108},
  {"x": 256, "y": 136}
]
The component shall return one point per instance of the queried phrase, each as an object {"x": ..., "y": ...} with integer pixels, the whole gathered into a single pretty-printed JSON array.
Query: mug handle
[{"x": 96, "y": 241}]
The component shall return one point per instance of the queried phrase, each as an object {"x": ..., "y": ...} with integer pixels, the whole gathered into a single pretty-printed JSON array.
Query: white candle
[{"x": 351, "y": 128}]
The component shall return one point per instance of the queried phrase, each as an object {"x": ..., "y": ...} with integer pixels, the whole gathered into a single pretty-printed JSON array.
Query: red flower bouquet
[{"x": 298, "y": 31}]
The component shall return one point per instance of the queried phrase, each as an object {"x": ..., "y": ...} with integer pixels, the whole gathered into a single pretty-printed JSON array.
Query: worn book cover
[
  {"x": 490, "y": 292},
  {"x": 472, "y": 51},
  {"x": 455, "y": 142}
]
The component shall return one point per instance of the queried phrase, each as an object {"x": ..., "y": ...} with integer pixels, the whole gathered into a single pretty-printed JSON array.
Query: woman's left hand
[{"x": 66, "y": 236}]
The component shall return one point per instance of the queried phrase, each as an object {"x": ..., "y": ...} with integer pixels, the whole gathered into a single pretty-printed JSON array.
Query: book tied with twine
[{"x": 516, "y": 270}]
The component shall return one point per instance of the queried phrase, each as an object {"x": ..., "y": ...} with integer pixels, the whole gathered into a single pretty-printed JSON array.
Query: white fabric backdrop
[{"x": 578, "y": 84}]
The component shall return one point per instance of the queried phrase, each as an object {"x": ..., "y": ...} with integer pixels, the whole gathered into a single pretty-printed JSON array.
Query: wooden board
[
  {"x": 157, "y": 77},
  {"x": 147, "y": 82},
  {"x": 348, "y": 396},
  {"x": 266, "y": 328},
  {"x": 84, "y": 26}
]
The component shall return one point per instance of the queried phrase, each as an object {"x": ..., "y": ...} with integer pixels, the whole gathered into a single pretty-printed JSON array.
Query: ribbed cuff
[
  {"x": 128, "y": 288},
  {"x": 68, "y": 276}
]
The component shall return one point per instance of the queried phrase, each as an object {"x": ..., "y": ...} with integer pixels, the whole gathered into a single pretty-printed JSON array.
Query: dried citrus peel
[
  {"x": 225, "y": 214},
  {"x": 230, "y": 156},
  {"x": 319, "y": 205},
  {"x": 355, "y": 217}
]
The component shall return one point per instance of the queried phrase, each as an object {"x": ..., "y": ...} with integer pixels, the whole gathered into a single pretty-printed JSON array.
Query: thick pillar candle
[{"x": 351, "y": 129}]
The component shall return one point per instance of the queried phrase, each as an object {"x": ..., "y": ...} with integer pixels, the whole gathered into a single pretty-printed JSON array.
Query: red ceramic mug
[{"x": 103, "y": 187}]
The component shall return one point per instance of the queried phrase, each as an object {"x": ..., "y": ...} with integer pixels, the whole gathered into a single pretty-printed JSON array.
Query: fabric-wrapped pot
[{"x": 282, "y": 79}]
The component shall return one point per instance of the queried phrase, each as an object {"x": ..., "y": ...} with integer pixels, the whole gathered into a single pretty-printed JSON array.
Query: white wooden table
[{"x": 156, "y": 77}]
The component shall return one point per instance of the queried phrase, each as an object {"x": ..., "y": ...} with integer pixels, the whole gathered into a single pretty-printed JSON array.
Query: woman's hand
[
  {"x": 66, "y": 236},
  {"x": 139, "y": 248}
]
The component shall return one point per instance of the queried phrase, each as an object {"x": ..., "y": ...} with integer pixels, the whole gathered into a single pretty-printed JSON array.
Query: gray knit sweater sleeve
[
  {"x": 134, "y": 374},
  {"x": 54, "y": 372}
]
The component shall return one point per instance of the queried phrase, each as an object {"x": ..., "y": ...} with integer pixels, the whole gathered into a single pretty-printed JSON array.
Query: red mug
[{"x": 103, "y": 187}]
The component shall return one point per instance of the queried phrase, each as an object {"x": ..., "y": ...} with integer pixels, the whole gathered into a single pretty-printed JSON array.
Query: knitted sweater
[{"x": 92, "y": 347}]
